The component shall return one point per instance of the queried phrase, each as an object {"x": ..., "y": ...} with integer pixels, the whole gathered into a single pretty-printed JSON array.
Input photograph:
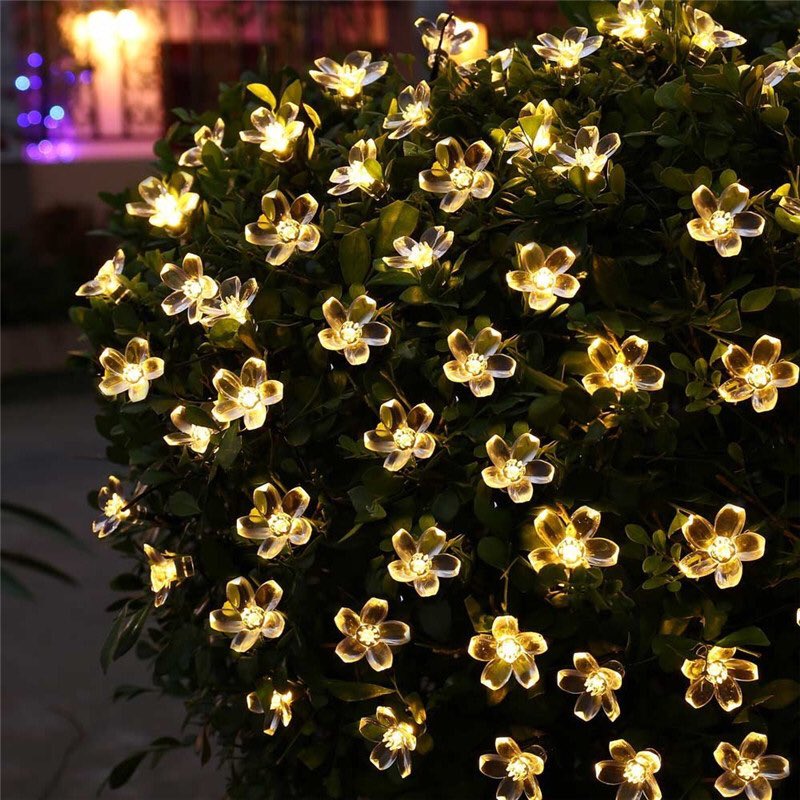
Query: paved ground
[{"x": 60, "y": 731}]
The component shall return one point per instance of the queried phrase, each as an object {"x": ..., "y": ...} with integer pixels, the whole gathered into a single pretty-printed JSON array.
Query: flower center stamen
[
  {"x": 275, "y": 138},
  {"x": 571, "y": 551},
  {"x": 288, "y": 230},
  {"x": 398, "y": 737},
  {"x": 635, "y": 771},
  {"x": 350, "y": 332},
  {"x": 514, "y": 470},
  {"x": 192, "y": 288},
  {"x": 248, "y": 397},
  {"x": 509, "y": 649},
  {"x": 419, "y": 564},
  {"x": 462, "y": 177},
  {"x": 279, "y": 523},
  {"x": 621, "y": 377},
  {"x": 543, "y": 279},
  {"x": 595, "y": 683},
  {"x": 132, "y": 373},
  {"x": 722, "y": 549},
  {"x": 114, "y": 507},
  {"x": 253, "y": 617},
  {"x": 720, "y": 222},
  {"x": 475, "y": 364},
  {"x": 368, "y": 635},
  {"x": 758, "y": 376},
  {"x": 747, "y": 769},
  {"x": 166, "y": 206},
  {"x": 517, "y": 769},
  {"x": 421, "y": 255},
  {"x": 404, "y": 438},
  {"x": 716, "y": 672}
]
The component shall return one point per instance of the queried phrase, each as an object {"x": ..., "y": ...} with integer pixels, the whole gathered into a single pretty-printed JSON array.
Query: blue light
[
  {"x": 35, "y": 82},
  {"x": 57, "y": 112},
  {"x": 22, "y": 121},
  {"x": 50, "y": 123},
  {"x": 23, "y": 83},
  {"x": 34, "y": 117},
  {"x": 69, "y": 76},
  {"x": 86, "y": 76},
  {"x": 35, "y": 60}
]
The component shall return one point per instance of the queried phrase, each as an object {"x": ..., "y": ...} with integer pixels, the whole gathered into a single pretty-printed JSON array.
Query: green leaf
[
  {"x": 352, "y": 692},
  {"x": 123, "y": 634},
  {"x": 636, "y": 533},
  {"x": 758, "y": 299},
  {"x": 229, "y": 448},
  {"x": 263, "y": 93},
  {"x": 743, "y": 637},
  {"x": 182, "y": 504},
  {"x": 396, "y": 220},
  {"x": 124, "y": 771},
  {"x": 778, "y": 694},
  {"x": 493, "y": 551},
  {"x": 40, "y": 519},
  {"x": 354, "y": 256}
]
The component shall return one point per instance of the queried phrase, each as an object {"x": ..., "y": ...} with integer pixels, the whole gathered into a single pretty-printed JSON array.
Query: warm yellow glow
[
  {"x": 724, "y": 220},
  {"x": 130, "y": 372},
  {"x": 748, "y": 769},
  {"x": 620, "y": 367},
  {"x": 715, "y": 674},
  {"x": 631, "y": 769},
  {"x": 402, "y": 436},
  {"x": 249, "y": 614},
  {"x": 352, "y": 330},
  {"x": 370, "y": 635},
  {"x": 166, "y": 570},
  {"x": 507, "y": 651},
  {"x": 107, "y": 281},
  {"x": 516, "y": 469},
  {"x": 246, "y": 396},
  {"x": 477, "y": 362},
  {"x": 395, "y": 737}
]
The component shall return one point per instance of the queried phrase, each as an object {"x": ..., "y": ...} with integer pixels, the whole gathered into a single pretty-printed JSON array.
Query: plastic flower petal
[
  {"x": 516, "y": 469},
  {"x": 534, "y": 132},
  {"x": 707, "y": 36},
  {"x": 410, "y": 111},
  {"x": 130, "y": 372},
  {"x": 190, "y": 288},
  {"x": 348, "y": 79},
  {"x": 477, "y": 363},
  {"x": 249, "y": 614},
  {"x": 632, "y": 22},
  {"x": 458, "y": 175},
  {"x": 543, "y": 280},
  {"x": 747, "y": 769},
  {"x": 189, "y": 434},
  {"x": 567, "y": 53},
  {"x": 720, "y": 548},
  {"x": 757, "y": 376},
  {"x": 419, "y": 255},
  {"x": 723, "y": 220},
  {"x": 114, "y": 507},
  {"x": 283, "y": 227},
  {"x": 193, "y": 157},
  {"x": 445, "y": 38},
  {"x": 279, "y": 711},
  {"x": 246, "y": 396},
  {"x": 370, "y": 635},
  {"x": 716, "y": 674},
  {"x": 166, "y": 570},
  {"x": 515, "y": 768},
  {"x": 401, "y": 436},
  {"x": 571, "y": 541},
  {"x": 396, "y": 739},
  {"x": 232, "y": 301},
  {"x": 594, "y": 685},
  {"x": 631, "y": 771},
  {"x": 166, "y": 203},
  {"x": 351, "y": 330},
  {"x": 106, "y": 283},
  {"x": 276, "y": 522},
  {"x": 507, "y": 651},
  {"x": 275, "y": 132},
  {"x": 620, "y": 367},
  {"x": 363, "y": 171},
  {"x": 590, "y": 152},
  {"x": 422, "y": 562}
]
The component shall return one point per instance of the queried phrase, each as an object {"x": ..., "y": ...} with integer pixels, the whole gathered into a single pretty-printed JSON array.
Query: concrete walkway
[{"x": 61, "y": 733}]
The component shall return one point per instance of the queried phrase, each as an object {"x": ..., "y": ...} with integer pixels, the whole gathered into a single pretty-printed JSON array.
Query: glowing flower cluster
[
  {"x": 166, "y": 203},
  {"x": 633, "y": 772},
  {"x": 715, "y": 674},
  {"x": 632, "y": 22},
  {"x": 114, "y": 507},
  {"x": 447, "y": 37},
  {"x": 275, "y": 132},
  {"x": 191, "y": 289},
  {"x": 247, "y": 396},
  {"x": 515, "y": 768},
  {"x": 757, "y": 376},
  {"x": 130, "y": 372},
  {"x": 566, "y": 53},
  {"x": 590, "y": 152},
  {"x": 193, "y": 157},
  {"x": 283, "y": 227},
  {"x": 422, "y": 562},
  {"x": 249, "y": 614},
  {"x": 620, "y": 367},
  {"x": 352, "y": 331},
  {"x": 507, "y": 651},
  {"x": 477, "y": 363},
  {"x": 748, "y": 769},
  {"x": 516, "y": 469},
  {"x": 396, "y": 739},
  {"x": 279, "y": 711},
  {"x": 534, "y": 132},
  {"x": 401, "y": 436},
  {"x": 422, "y": 254},
  {"x": 231, "y": 302},
  {"x": 348, "y": 79},
  {"x": 723, "y": 220},
  {"x": 707, "y": 36},
  {"x": 411, "y": 111},
  {"x": 276, "y": 522},
  {"x": 106, "y": 283},
  {"x": 190, "y": 434},
  {"x": 543, "y": 280},
  {"x": 458, "y": 175},
  {"x": 363, "y": 172},
  {"x": 370, "y": 635},
  {"x": 720, "y": 548},
  {"x": 594, "y": 685},
  {"x": 166, "y": 569}
]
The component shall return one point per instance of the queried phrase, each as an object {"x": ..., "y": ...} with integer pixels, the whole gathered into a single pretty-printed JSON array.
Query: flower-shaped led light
[
  {"x": 716, "y": 674},
  {"x": 232, "y": 301},
  {"x": 515, "y": 768},
  {"x": 411, "y": 111},
  {"x": 515, "y": 469},
  {"x": 631, "y": 771},
  {"x": 620, "y": 367},
  {"x": 707, "y": 36},
  {"x": 567, "y": 53},
  {"x": 278, "y": 713},
  {"x": 477, "y": 362},
  {"x": 720, "y": 548},
  {"x": 778, "y": 70},
  {"x": 723, "y": 220},
  {"x": 543, "y": 280},
  {"x": 284, "y": 228},
  {"x": 246, "y": 396},
  {"x": 369, "y": 634},
  {"x": 193, "y": 156},
  {"x": 594, "y": 685},
  {"x": 401, "y": 436},
  {"x": 590, "y": 152},
  {"x": 458, "y": 175},
  {"x": 351, "y": 330},
  {"x": 362, "y": 171},
  {"x": 196, "y": 437},
  {"x": 445, "y": 38},
  {"x": 571, "y": 541},
  {"x": 507, "y": 651},
  {"x": 757, "y": 377},
  {"x": 396, "y": 739},
  {"x": 422, "y": 562},
  {"x": 114, "y": 507},
  {"x": 632, "y": 22},
  {"x": 519, "y": 142},
  {"x": 275, "y": 132},
  {"x": 131, "y": 372},
  {"x": 348, "y": 79},
  {"x": 249, "y": 615},
  {"x": 106, "y": 283},
  {"x": 166, "y": 570},
  {"x": 747, "y": 769},
  {"x": 276, "y": 522},
  {"x": 190, "y": 288},
  {"x": 166, "y": 204},
  {"x": 432, "y": 245}
]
